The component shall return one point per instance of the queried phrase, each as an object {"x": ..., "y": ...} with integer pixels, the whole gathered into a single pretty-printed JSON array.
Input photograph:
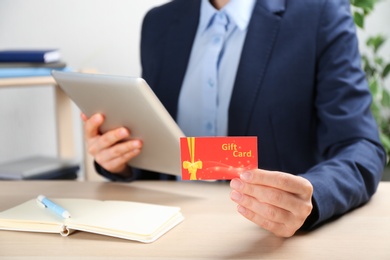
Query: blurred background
[{"x": 90, "y": 34}]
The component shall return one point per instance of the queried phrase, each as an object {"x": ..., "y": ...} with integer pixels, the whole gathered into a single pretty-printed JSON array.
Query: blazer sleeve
[
  {"x": 111, "y": 176},
  {"x": 352, "y": 156}
]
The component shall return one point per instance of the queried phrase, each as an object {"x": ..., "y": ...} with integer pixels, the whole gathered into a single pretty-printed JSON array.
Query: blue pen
[{"x": 53, "y": 206}]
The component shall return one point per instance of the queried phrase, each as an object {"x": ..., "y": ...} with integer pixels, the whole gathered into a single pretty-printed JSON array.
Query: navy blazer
[{"x": 299, "y": 88}]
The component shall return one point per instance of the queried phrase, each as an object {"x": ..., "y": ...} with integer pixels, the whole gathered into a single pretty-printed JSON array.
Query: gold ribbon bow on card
[{"x": 192, "y": 166}]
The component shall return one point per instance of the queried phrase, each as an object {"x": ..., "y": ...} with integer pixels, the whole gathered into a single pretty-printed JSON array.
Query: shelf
[
  {"x": 64, "y": 120},
  {"x": 28, "y": 81}
]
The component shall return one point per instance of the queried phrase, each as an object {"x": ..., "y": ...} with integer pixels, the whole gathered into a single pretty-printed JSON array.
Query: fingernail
[
  {"x": 236, "y": 196},
  {"x": 241, "y": 209},
  {"x": 236, "y": 184},
  {"x": 246, "y": 176},
  {"x": 137, "y": 144},
  {"x": 123, "y": 132},
  {"x": 97, "y": 118}
]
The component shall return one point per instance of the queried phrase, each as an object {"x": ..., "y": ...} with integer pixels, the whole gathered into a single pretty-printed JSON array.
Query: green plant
[{"x": 377, "y": 69}]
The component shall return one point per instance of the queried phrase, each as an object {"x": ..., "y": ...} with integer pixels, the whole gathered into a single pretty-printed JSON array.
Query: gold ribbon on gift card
[{"x": 192, "y": 166}]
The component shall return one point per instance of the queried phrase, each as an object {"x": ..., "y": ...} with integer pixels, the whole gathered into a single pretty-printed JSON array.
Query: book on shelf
[
  {"x": 30, "y": 55},
  {"x": 130, "y": 220}
]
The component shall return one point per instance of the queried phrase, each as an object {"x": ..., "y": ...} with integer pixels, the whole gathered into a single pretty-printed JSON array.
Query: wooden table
[{"x": 211, "y": 230}]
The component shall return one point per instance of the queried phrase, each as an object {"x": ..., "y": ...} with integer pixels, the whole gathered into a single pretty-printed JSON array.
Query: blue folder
[{"x": 28, "y": 72}]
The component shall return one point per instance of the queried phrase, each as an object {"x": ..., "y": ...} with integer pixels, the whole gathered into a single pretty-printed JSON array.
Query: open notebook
[{"x": 123, "y": 219}]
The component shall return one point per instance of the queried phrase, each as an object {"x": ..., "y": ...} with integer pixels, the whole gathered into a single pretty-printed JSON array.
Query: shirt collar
[{"x": 240, "y": 11}]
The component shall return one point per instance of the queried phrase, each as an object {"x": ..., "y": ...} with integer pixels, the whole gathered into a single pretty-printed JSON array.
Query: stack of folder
[
  {"x": 30, "y": 62},
  {"x": 39, "y": 168}
]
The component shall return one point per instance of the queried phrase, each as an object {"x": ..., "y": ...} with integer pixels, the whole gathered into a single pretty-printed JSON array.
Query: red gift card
[{"x": 217, "y": 158}]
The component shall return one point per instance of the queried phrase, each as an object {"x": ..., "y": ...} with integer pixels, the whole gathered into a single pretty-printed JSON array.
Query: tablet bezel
[{"x": 129, "y": 102}]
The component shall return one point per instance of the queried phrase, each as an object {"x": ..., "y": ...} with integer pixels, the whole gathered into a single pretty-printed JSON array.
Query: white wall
[{"x": 99, "y": 34}]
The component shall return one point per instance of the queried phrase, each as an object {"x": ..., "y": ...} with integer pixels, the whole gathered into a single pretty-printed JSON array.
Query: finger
[
  {"x": 280, "y": 180},
  {"x": 276, "y": 220},
  {"x": 125, "y": 149},
  {"x": 83, "y": 117},
  {"x": 96, "y": 145},
  {"x": 92, "y": 125},
  {"x": 119, "y": 163},
  {"x": 272, "y": 196},
  {"x": 279, "y": 229},
  {"x": 264, "y": 210}
]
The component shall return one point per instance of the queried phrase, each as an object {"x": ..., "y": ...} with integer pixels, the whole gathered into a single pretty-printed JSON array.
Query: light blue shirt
[{"x": 208, "y": 83}]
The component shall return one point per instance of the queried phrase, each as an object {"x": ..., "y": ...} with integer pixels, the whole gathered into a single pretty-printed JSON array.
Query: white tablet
[{"x": 128, "y": 102}]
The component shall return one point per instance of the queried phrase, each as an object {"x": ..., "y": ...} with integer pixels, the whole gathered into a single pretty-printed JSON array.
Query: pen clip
[{"x": 40, "y": 204}]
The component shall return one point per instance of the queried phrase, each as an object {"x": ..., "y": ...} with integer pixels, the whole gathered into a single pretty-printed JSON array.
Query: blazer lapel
[
  {"x": 258, "y": 45},
  {"x": 179, "y": 40}
]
